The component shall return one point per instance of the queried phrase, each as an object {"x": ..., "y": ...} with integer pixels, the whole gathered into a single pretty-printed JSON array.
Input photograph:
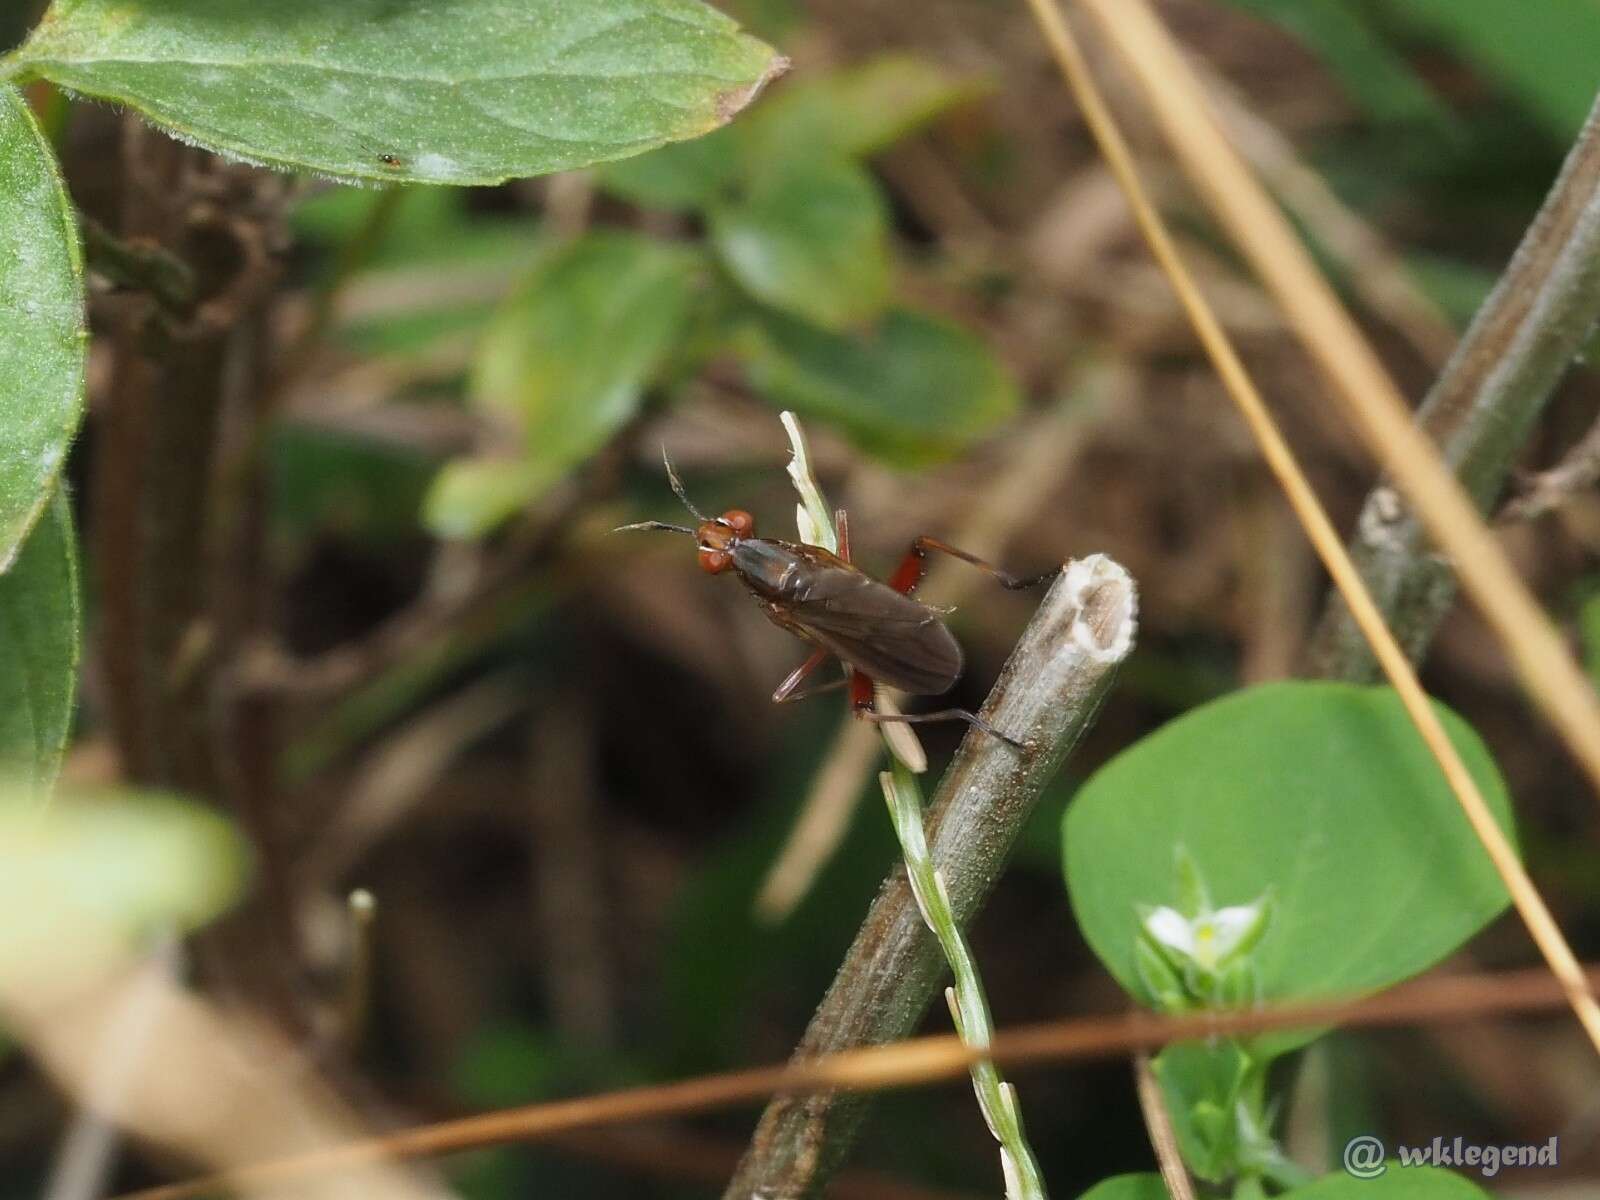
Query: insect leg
[
  {"x": 944, "y": 714},
  {"x": 841, "y": 522},
  {"x": 833, "y": 685},
  {"x": 786, "y": 690},
  {"x": 861, "y": 691},
  {"x": 910, "y": 571}
]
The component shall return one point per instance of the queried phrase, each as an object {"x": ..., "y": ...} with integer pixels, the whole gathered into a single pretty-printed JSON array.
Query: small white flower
[
  {"x": 1217, "y": 938},
  {"x": 1171, "y": 928},
  {"x": 1212, "y": 936}
]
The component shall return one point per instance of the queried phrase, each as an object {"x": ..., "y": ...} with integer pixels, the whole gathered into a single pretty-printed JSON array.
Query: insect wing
[{"x": 874, "y": 628}]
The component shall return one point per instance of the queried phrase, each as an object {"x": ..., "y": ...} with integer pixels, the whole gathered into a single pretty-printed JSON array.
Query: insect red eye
[
  {"x": 714, "y": 562},
  {"x": 742, "y": 522}
]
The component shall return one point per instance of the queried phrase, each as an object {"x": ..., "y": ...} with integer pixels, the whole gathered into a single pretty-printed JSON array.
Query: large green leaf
[
  {"x": 469, "y": 91},
  {"x": 914, "y": 387},
  {"x": 42, "y": 336},
  {"x": 85, "y": 874},
  {"x": 1322, "y": 793},
  {"x": 567, "y": 359},
  {"x": 810, "y": 237},
  {"x": 39, "y": 652}
]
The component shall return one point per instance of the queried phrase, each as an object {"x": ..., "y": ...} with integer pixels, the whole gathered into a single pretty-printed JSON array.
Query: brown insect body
[
  {"x": 828, "y": 602},
  {"x": 879, "y": 633}
]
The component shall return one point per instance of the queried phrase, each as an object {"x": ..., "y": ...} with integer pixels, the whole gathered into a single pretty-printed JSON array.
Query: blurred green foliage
[
  {"x": 793, "y": 281},
  {"x": 1541, "y": 54}
]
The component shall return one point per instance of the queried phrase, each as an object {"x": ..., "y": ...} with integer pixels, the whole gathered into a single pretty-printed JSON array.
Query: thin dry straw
[{"x": 1319, "y": 529}]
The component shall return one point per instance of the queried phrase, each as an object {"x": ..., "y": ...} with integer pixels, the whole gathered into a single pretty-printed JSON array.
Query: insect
[
  {"x": 393, "y": 161},
  {"x": 875, "y": 629}
]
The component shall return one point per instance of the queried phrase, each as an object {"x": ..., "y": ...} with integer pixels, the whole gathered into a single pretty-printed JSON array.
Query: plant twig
[
  {"x": 138, "y": 263},
  {"x": 1577, "y": 471},
  {"x": 1165, "y": 59},
  {"x": 1438, "y": 1000},
  {"x": 1480, "y": 410},
  {"x": 1049, "y": 692}
]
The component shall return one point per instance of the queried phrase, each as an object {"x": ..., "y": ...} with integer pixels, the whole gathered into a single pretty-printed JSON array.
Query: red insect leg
[
  {"x": 911, "y": 569},
  {"x": 786, "y": 689},
  {"x": 915, "y": 563},
  {"x": 860, "y": 691}
]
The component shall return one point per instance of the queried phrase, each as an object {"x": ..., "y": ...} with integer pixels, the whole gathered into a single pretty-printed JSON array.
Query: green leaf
[
  {"x": 91, "y": 872},
  {"x": 568, "y": 358},
  {"x": 1211, "y": 1088},
  {"x": 1322, "y": 792},
  {"x": 856, "y": 112},
  {"x": 357, "y": 487},
  {"x": 39, "y": 652},
  {"x": 1546, "y": 54},
  {"x": 914, "y": 388},
  {"x": 470, "y": 92},
  {"x": 810, "y": 238},
  {"x": 1396, "y": 1183},
  {"x": 846, "y": 114},
  {"x": 42, "y": 341},
  {"x": 1127, "y": 1187},
  {"x": 682, "y": 177},
  {"x": 469, "y": 497}
]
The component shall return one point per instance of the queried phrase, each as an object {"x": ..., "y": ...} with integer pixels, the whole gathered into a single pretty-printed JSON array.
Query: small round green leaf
[
  {"x": 42, "y": 339},
  {"x": 810, "y": 238},
  {"x": 1323, "y": 794},
  {"x": 914, "y": 387},
  {"x": 39, "y": 652},
  {"x": 470, "y": 92}
]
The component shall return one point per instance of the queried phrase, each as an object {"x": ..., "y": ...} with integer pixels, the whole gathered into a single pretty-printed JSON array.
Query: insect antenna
[
  {"x": 654, "y": 525},
  {"x": 677, "y": 488}
]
